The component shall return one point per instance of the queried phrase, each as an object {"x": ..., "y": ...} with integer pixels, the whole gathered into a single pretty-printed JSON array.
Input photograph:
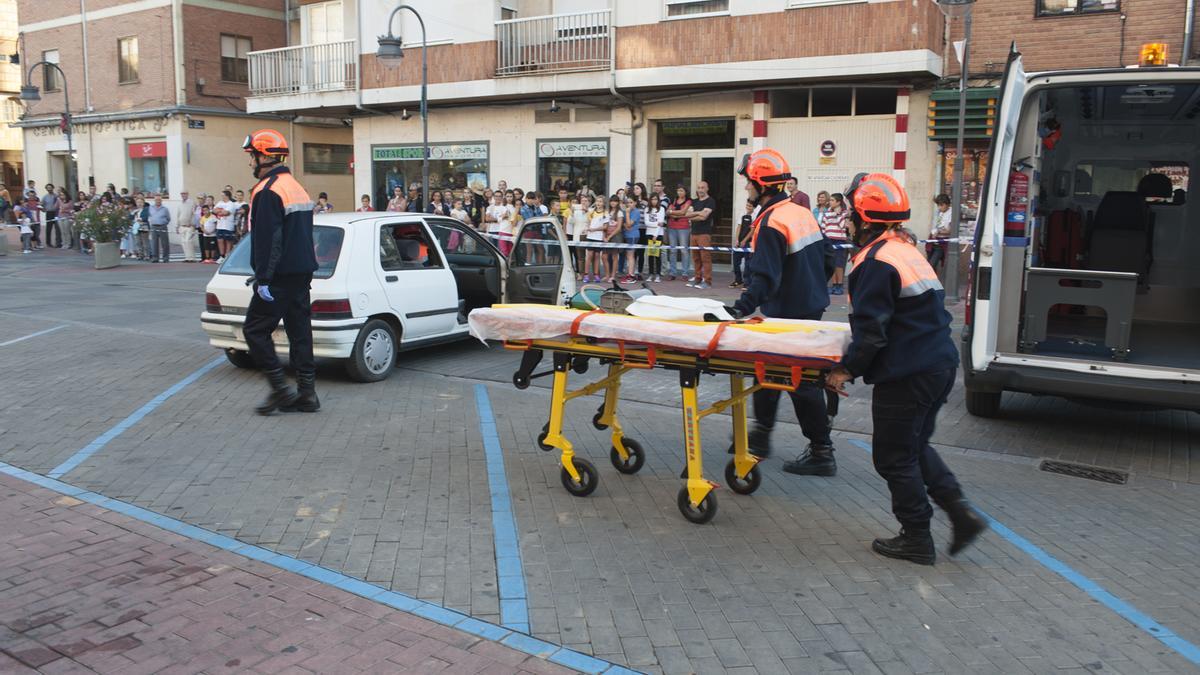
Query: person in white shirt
[
  {"x": 498, "y": 220},
  {"x": 653, "y": 218},
  {"x": 598, "y": 220},
  {"x": 936, "y": 251},
  {"x": 185, "y": 226},
  {"x": 226, "y": 228},
  {"x": 580, "y": 220}
]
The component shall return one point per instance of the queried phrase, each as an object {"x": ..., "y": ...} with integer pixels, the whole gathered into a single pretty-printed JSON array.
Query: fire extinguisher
[{"x": 1016, "y": 210}]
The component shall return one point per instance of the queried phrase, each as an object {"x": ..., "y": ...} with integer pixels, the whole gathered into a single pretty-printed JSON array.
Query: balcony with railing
[
  {"x": 303, "y": 69},
  {"x": 559, "y": 43}
]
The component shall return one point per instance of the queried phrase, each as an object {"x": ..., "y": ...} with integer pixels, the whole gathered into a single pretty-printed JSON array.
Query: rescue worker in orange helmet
[
  {"x": 901, "y": 344},
  {"x": 283, "y": 260},
  {"x": 786, "y": 280}
]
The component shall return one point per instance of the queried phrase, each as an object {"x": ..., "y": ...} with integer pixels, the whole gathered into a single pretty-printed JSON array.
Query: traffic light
[{"x": 980, "y": 118}]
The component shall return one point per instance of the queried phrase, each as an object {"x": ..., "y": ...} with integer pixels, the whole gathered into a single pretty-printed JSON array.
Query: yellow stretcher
[{"x": 696, "y": 499}]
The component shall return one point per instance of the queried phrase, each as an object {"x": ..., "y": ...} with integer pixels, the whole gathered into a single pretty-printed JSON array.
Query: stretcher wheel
[
  {"x": 636, "y": 457},
  {"x": 579, "y": 364},
  {"x": 520, "y": 381},
  {"x": 588, "y": 480},
  {"x": 697, "y": 514},
  {"x": 541, "y": 441},
  {"x": 742, "y": 486},
  {"x": 596, "y": 418}
]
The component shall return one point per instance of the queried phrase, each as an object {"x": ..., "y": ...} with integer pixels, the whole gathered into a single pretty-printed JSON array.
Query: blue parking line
[
  {"x": 1123, "y": 609},
  {"x": 31, "y": 336},
  {"x": 517, "y": 640},
  {"x": 120, "y": 427},
  {"x": 510, "y": 576}
]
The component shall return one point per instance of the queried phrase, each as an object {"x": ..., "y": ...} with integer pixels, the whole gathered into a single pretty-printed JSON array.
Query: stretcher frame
[{"x": 696, "y": 499}]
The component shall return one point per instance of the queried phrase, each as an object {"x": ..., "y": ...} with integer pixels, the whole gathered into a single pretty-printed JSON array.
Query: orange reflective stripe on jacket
[
  {"x": 916, "y": 276},
  {"x": 797, "y": 225},
  {"x": 291, "y": 193}
]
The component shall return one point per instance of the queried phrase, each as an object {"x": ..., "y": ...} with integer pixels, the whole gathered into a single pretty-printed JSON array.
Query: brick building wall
[
  {"x": 202, "y": 29},
  {"x": 818, "y": 31},
  {"x": 1072, "y": 41},
  {"x": 156, "y": 74}
]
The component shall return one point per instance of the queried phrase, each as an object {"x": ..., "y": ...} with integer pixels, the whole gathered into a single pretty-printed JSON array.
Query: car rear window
[{"x": 327, "y": 244}]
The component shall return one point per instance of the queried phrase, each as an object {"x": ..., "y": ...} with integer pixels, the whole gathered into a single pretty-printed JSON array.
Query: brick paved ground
[
  {"x": 86, "y": 588},
  {"x": 389, "y": 484}
]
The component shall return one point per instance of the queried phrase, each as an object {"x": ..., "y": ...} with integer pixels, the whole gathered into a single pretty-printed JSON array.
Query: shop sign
[
  {"x": 548, "y": 149},
  {"x": 696, "y": 128},
  {"x": 146, "y": 150},
  {"x": 436, "y": 152},
  {"x": 155, "y": 124}
]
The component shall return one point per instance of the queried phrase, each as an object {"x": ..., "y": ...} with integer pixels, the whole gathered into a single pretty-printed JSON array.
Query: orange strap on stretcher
[
  {"x": 760, "y": 371},
  {"x": 579, "y": 319}
]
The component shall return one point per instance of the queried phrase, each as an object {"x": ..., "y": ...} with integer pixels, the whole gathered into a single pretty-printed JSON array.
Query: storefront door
[{"x": 689, "y": 167}]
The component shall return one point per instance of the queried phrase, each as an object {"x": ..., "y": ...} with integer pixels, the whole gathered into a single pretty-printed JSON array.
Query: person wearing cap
[
  {"x": 283, "y": 261},
  {"x": 901, "y": 344},
  {"x": 785, "y": 280}
]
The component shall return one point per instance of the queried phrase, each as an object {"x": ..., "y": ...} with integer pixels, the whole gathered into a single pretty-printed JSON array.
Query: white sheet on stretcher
[{"x": 825, "y": 340}]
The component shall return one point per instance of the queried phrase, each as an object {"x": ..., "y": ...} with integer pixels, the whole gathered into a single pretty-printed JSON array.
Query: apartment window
[
  {"x": 127, "y": 60},
  {"x": 328, "y": 159},
  {"x": 833, "y": 101},
  {"x": 1069, "y": 7},
  {"x": 322, "y": 23},
  {"x": 689, "y": 8},
  {"x": 872, "y": 101},
  {"x": 235, "y": 65},
  {"x": 507, "y": 13},
  {"x": 51, "y": 81}
]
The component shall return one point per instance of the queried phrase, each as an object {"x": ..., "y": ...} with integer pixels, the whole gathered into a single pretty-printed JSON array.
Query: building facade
[
  {"x": 11, "y": 158},
  {"x": 157, "y": 91},
  {"x": 543, "y": 93}
]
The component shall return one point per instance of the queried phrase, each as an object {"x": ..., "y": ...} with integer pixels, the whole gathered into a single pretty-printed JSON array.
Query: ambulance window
[{"x": 1101, "y": 177}]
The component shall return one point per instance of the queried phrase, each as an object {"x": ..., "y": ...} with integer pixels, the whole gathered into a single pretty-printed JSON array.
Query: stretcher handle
[{"x": 760, "y": 372}]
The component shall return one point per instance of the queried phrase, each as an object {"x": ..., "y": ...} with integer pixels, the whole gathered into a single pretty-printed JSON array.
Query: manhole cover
[{"x": 1085, "y": 471}]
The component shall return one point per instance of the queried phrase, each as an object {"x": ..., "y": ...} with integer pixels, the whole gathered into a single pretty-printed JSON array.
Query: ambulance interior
[{"x": 1112, "y": 269}]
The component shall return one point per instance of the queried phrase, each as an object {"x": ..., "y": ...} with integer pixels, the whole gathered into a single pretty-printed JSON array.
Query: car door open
[{"x": 539, "y": 268}]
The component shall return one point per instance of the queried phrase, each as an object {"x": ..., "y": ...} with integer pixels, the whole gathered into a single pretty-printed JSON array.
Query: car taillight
[
  {"x": 332, "y": 309},
  {"x": 212, "y": 304}
]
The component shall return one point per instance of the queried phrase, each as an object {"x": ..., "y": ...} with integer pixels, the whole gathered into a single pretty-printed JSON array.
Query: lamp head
[
  {"x": 390, "y": 48},
  {"x": 955, "y": 8},
  {"x": 29, "y": 92}
]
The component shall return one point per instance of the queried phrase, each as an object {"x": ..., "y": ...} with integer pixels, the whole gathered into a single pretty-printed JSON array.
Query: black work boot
[
  {"x": 817, "y": 460},
  {"x": 306, "y": 390},
  {"x": 758, "y": 440},
  {"x": 912, "y": 544},
  {"x": 967, "y": 523},
  {"x": 280, "y": 396}
]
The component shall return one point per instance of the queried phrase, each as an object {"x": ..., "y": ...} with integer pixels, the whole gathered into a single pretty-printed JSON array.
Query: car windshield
[{"x": 327, "y": 244}]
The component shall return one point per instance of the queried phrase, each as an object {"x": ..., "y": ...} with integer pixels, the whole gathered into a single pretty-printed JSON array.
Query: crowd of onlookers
[{"x": 672, "y": 232}]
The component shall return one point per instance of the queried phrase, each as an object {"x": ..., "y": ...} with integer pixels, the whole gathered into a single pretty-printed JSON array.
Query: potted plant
[{"x": 104, "y": 224}]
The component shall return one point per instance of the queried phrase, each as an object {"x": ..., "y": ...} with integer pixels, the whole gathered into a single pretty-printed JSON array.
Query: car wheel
[
  {"x": 983, "y": 403},
  {"x": 240, "y": 358},
  {"x": 374, "y": 353}
]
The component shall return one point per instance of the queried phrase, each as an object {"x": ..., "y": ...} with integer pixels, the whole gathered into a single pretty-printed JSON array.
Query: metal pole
[
  {"x": 71, "y": 186},
  {"x": 952, "y": 248},
  {"x": 424, "y": 100}
]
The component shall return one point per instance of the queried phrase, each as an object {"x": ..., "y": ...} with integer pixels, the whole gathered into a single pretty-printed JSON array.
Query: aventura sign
[{"x": 436, "y": 152}]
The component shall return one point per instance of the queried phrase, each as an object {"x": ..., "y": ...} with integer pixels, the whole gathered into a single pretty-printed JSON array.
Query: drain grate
[{"x": 1085, "y": 471}]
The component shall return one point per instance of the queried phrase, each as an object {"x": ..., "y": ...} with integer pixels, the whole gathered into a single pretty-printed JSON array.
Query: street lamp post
[
  {"x": 953, "y": 8},
  {"x": 29, "y": 92},
  {"x": 391, "y": 50}
]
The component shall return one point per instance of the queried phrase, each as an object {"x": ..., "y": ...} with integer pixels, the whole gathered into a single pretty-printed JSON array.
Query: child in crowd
[
  {"x": 364, "y": 204},
  {"x": 632, "y": 231},
  {"x": 498, "y": 220},
  {"x": 239, "y": 221},
  {"x": 652, "y": 235},
  {"x": 742, "y": 237},
  {"x": 597, "y": 226},
  {"x": 833, "y": 223},
  {"x": 208, "y": 238},
  {"x": 612, "y": 234},
  {"x": 459, "y": 213},
  {"x": 26, "y": 226},
  {"x": 580, "y": 219}
]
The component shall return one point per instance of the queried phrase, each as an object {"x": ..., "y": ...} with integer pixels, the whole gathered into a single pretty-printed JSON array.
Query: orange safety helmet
[
  {"x": 878, "y": 198},
  {"x": 266, "y": 142},
  {"x": 765, "y": 167}
]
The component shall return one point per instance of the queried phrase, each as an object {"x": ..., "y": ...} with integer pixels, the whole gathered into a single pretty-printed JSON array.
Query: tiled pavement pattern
[
  {"x": 389, "y": 483},
  {"x": 86, "y": 589}
]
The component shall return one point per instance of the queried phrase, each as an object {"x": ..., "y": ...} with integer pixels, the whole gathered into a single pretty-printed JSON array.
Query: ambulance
[{"x": 1085, "y": 278}]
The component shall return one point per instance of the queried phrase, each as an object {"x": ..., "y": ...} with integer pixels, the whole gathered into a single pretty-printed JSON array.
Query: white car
[{"x": 395, "y": 281}]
